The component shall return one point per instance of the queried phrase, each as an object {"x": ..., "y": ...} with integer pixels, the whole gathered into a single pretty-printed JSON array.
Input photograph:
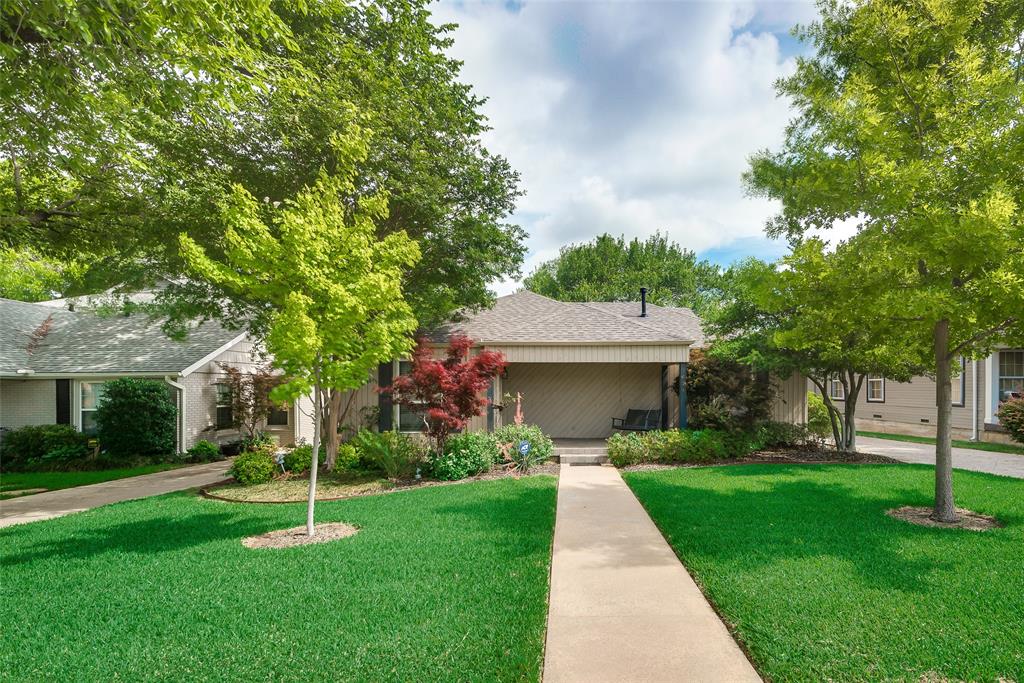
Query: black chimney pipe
[{"x": 643, "y": 302}]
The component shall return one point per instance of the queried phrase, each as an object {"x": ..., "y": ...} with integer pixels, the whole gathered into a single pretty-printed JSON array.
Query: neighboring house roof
[
  {"x": 47, "y": 340},
  {"x": 529, "y": 318}
]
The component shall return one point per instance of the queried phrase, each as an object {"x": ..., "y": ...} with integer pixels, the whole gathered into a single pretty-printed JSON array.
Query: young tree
[
  {"x": 909, "y": 123},
  {"x": 325, "y": 295},
  {"x": 251, "y": 402},
  {"x": 786, "y": 318},
  {"x": 448, "y": 391},
  {"x": 610, "y": 269}
]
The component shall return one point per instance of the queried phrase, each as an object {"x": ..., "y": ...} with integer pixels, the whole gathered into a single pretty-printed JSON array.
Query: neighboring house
[
  {"x": 909, "y": 407},
  {"x": 576, "y": 365},
  {"x": 53, "y": 363}
]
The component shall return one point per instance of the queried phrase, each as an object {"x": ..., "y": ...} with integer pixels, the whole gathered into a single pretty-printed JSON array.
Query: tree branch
[{"x": 981, "y": 336}]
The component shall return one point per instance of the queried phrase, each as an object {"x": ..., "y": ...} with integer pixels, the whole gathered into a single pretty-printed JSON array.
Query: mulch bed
[
  {"x": 922, "y": 516},
  {"x": 549, "y": 468},
  {"x": 790, "y": 456},
  {"x": 296, "y": 536}
]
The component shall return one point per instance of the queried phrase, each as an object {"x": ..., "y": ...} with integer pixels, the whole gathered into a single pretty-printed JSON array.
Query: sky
[{"x": 632, "y": 117}]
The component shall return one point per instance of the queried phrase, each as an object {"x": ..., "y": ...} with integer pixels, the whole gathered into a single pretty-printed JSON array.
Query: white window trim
[
  {"x": 963, "y": 384},
  {"x": 836, "y": 383},
  {"x": 217, "y": 406},
  {"x": 287, "y": 410},
  {"x": 867, "y": 393},
  {"x": 396, "y": 408},
  {"x": 999, "y": 372},
  {"x": 77, "y": 402}
]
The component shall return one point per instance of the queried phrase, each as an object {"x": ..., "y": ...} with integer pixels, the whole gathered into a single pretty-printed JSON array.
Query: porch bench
[{"x": 638, "y": 421}]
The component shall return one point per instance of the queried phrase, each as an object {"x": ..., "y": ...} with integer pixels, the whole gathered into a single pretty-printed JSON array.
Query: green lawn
[
  {"x": 957, "y": 443},
  {"x": 13, "y": 481},
  {"x": 440, "y": 583},
  {"x": 821, "y": 585}
]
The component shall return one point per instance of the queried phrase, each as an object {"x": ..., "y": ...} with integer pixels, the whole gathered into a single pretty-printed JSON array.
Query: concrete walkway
[
  {"x": 65, "y": 501},
  {"x": 1006, "y": 464},
  {"x": 623, "y": 608}
]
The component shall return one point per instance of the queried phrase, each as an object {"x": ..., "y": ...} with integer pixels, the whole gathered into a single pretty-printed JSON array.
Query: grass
[
  {"x": 957, "y": 443},
  {"x": 13, "y": 481},
  {"x": 441, "y": 583},
  {"x": 821, "y": 585}
]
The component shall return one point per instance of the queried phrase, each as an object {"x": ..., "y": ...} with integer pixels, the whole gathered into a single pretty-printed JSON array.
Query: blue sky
[{"x": 630, "y": 117}]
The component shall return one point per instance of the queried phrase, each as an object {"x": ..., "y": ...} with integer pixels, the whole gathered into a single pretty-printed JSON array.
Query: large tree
[
  {"x": 611, "y": 269},
  {"x": 908, "y": 122},
  {"x": 784, "y": 318},
  {"x": 324, "y": 293},
  {"x": 295, "y": 76}
]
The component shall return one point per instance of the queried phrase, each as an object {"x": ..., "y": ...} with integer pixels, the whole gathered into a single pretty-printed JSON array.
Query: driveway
[
  {"x": 1005, "y": 464},
  {"x": 66, "y": 501}
]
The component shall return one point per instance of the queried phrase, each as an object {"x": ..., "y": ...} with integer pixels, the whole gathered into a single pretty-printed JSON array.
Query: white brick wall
[{"x": 27, "y": 402}]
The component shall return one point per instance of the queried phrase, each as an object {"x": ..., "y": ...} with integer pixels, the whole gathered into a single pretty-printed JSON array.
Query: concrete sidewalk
[
  {"x": 622, "y": 607},
  {"x": 1005, "y": 464},
  {"x": 65, "y": 501}
]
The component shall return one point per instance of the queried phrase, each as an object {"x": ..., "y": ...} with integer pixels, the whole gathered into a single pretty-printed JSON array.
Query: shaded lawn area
[
  {"x": 441, "y": 583},
  {"x": 957, "y": 443},
  {"x": 12, "y": 481},
  {"x": 821, "y": 585}
]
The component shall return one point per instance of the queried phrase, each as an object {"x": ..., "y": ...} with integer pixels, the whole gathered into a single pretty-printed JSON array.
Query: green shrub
[
  {"x": 782, "y": 435},
  {"x": 541, "y": 445},
  {"x": 724, "y": 394},
  {"x": 300, "y": 458},
  {"x": 394, "y": 453},
  {"x": 627, "y": 449},
  {"x": 136, "y": 417},
  {"x": 254, "y": 467},
  {"x": 1011, "y": 416},
  {"x": 32, "y": 443},
  {"x": 204, "y": 451},
  {"x": 817, "y": 416},
  {"x": 66, "y": 456},
  {"x": 464, "y": 455},
  {"x": 348, "y": 458},
  {"x": 257, "y": 441}
]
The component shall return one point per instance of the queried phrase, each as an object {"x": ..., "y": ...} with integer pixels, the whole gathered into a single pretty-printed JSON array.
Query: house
[
  {"x": 54, "y": 361},
  {"x": 909, "y": 407},
  {"x": 575, "y": 364}
]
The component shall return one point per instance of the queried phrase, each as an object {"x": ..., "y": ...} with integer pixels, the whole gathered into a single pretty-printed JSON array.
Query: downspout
[
  {"x": 974, "y": 406},
  {"x": 181, "y": 411}
]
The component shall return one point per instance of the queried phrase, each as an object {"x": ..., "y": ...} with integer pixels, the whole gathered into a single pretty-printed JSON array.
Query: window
[
  {"x": 278, "y": 416},
  {"x": 876, "y": 389},
  {"x": 1011, "y": 374},
  {"x": 409, "y": 420},
  {"x": 836, "y": 392},
  {"x": 958, "y": 384},
  {"x": 92, "y": 393},
  {"x": 225, "y": 415}
]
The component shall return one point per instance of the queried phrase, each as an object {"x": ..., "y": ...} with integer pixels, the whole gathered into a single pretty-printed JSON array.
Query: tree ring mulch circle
[
  {"x": 296, "y": 536},
  {"x": 922, "y": 516}
]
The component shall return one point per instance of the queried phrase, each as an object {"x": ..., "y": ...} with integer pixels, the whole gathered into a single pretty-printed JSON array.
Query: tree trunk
[
  {"x": 314, "y": 464},
  {"x": 856, "y": 383},
  {"x": 332, "y": 438},
  {"x": 945, "y": 511}
]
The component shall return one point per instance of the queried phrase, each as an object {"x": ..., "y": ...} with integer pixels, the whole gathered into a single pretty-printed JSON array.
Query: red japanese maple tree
[{"x": 447, "y": 391}]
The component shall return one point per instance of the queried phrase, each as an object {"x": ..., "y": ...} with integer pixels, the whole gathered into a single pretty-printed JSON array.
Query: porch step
[{"x": 593, "y": 458}]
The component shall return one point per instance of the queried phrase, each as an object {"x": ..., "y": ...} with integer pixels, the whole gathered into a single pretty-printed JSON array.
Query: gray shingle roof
[
  {"x": 526, "y": 317},
  {"x": 76, "y": 343}
]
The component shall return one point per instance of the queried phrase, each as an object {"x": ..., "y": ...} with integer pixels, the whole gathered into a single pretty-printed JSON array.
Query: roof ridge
[{"x": 589, "y": 304}]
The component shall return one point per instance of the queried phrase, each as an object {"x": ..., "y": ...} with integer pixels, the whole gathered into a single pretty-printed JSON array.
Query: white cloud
[{"x": 629, "y": 117}]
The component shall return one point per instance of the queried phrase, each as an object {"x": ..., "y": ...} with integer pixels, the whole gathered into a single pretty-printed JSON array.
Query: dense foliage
[
  {"x": 42, "y": 447},
  {"x": 610, "y": 269},
  {"x": 251, "y": 402},
  {"x": 397, "y": 455},
  {"x": 204, "y": 451},
  {"x": 1011, "y": 416},
  {"x": 465, "y": 455},
  {"x": 722, "y": 393},
  {"x": 449, "y": 391},
  {"x": 701, "y": 445},
  {"x": 299, "y": 459},
  {"x": 136, "y": 417},
  {"x": 817, "y": 415},
  {"x": 509, "y": 436},
  {"x": 254, "y": 467}
]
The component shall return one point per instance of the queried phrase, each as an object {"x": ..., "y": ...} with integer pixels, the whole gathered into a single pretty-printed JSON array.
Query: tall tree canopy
[
  {"x": 611, "y": 269},
  {"x": 273, "y": 85},
  {"x": 908, "y": 121},
  {"x": 325, "y": 295}
]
